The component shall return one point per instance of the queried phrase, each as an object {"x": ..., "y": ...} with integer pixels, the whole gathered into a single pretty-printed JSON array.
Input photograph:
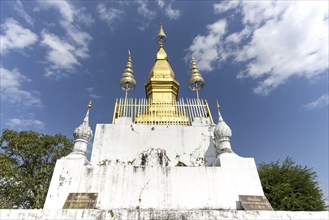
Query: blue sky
[{"x": 265, "y": 61}]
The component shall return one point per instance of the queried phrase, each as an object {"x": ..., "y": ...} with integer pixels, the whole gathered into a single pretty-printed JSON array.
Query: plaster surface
[
  {"x": 124, "y": 141},
  {"x": 156, "y": 187}
]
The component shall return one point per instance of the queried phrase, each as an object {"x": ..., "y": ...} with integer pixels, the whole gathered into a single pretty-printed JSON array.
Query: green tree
[
  {"x": 27, "y": 160},
  {"x": 289, "y": 186}
]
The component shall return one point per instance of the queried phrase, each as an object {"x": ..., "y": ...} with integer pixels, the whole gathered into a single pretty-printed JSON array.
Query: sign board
[
  {"x": 81, "y": 201},
  {"x": 255, "y": 203}
]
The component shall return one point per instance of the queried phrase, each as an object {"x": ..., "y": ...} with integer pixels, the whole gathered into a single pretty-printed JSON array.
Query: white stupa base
[
  {"x": 132, "y": 214},
  {"x": 156, "y": 187}
]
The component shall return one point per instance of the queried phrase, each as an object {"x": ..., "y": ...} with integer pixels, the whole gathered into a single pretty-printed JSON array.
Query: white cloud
[
  {"x": 92, "y": 94},
  {"x": 83, "y": 17},
  {"x": 319, "y": 103},
  {"x": 81, "y": 40},
  {"x": 205, "y": 48},
  {"x": 61, "y": 54},
  {"x": 18, "y": 6},
  {"x": 64, "y": 53},
  {"x": 63, "y": 7},
  {"x": 17, "y": 123},
  {"x": 147, "y": 11},
  {"x": 160, "y": 3},
  {"x": 56, "y": 74},
  {"x": 15, "y": 36},
  {"x": 12, "y": 91},
  {"x": 143, "y": 10},
  {"x": 172, "y": 14},
  {"x": 146, "y": 14},
  {"x": 280, "y": 39},
  {"x": 294, "y": 42},
  {"x": 109, "y": 15},
  {"x": 225, "y": 6},
  {"x": 237, "y": 37},
  {"x": 68, "y": 11}
]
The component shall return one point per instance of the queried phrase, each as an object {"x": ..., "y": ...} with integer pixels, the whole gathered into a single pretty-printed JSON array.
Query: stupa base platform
[
  {"x": 153, "y": 187},
  {"x": 148, "y": 214}
]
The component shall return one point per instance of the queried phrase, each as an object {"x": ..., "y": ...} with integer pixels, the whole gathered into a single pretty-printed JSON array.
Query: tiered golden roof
[
  {"x": 161, "y": 86},
  {"x": 162, "y": 90},
  {"x": 196, "y": 82},
  {"x": 127, "y": 81}
]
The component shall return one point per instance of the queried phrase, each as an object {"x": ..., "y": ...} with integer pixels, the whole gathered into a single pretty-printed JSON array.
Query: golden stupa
[{"x": 161, "y": 105}]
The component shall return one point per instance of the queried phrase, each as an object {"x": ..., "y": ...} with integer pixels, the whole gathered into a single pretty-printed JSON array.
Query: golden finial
[
  {"x": 161, "y": 36},
  {"x": 127, "y": 81},
  {"x": 196, "y": 82},
  {"x": 129, "y": 62},
  {"x": 89, "y": 104}
]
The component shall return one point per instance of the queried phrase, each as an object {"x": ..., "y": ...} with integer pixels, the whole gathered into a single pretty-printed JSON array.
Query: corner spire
[
  {"x": 82, "y": 136},
  {"x": 222, "y": 135},
  {"x": 83, "y": 132},
  {"x": 196, "y": 82},
  {"x": 86, "y": 119},
  {"x": 220, "y": 118},
  {"x": 127, "y": 81}
]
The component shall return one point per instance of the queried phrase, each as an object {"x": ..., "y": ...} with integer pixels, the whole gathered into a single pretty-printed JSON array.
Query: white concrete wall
[
  {"x": 162, "y": 188},
  {"x": 156, "y": 215},
  {"x": 124, "y": 141}
]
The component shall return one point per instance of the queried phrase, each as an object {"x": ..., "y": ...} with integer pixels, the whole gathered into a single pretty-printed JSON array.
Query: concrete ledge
[{"x": 123, "y": 214}]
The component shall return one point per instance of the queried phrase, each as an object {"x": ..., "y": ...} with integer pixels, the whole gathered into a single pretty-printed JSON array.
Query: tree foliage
[
  {"x": 27, "y": 160},
  {"x": 289, "y": 186}
]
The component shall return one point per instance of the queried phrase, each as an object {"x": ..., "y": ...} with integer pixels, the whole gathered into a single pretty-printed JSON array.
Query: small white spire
[
  {"x": 83, "y": 132},
  {"x": 82, "y": 136},
  {"x": 222, "y": 134},
  {"x": 86, "y": 119},
  {"x": 220, "y": 118}
]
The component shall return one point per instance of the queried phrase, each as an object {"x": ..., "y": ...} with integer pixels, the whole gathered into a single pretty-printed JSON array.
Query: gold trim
[
  {"x": 115, "y": 111},
  {"x": 208, "y": 110},
  {"x": 143, "y": 111}
]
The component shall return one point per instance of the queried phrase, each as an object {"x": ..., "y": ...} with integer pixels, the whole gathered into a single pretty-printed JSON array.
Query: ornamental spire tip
[
  {"x": 196, "y": 81},
  {"x": 220, "y": 118},
  {"x": 161, "y": 36},
  {"x": 127, "y": 81}
]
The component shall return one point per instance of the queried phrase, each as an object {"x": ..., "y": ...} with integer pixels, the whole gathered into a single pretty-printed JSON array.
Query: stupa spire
[
  {"x": 162, "y": 37},
  {"x": 161, "y": 86}
]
